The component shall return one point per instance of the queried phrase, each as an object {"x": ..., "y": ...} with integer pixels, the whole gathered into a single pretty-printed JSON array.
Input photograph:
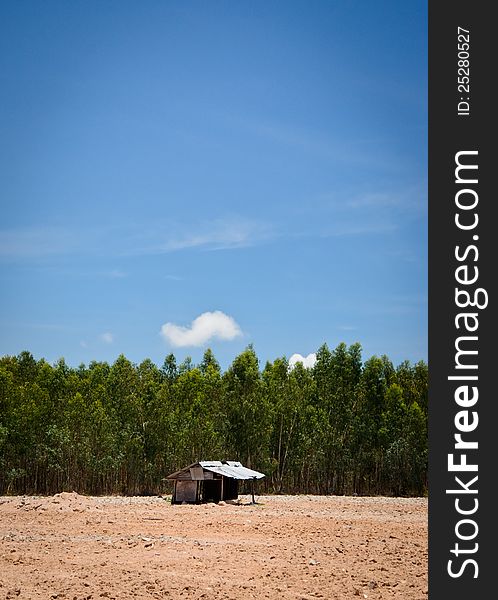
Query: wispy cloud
[
  {"x": 173, "y": 278},
  {"x": 409, "y": 199},
  {"x": 357, "y": 213},
  {"x": 358, "y": 229},
  {"x": 206, "y": 327},
  {"x": 347, "y": 328},
  {"x": 107, "y": 337},
  {"x": 224, "y": 233},
  {"x": 362, "y": 213},
  {"x": 217, "y": 234}
]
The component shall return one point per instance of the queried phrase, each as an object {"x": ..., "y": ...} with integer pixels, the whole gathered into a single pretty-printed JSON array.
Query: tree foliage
[{"x": 342, "y": 427}]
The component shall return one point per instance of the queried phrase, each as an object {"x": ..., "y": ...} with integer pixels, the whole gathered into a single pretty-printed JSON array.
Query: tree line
[{"x": 342, "y": 427}]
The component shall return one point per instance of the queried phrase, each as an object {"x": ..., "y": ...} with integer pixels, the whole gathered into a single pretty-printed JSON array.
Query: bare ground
[{"x": 298, "y": 547}]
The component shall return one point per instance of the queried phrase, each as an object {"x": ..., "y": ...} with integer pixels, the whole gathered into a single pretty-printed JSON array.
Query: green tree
[{"x": 247, "y": 411}]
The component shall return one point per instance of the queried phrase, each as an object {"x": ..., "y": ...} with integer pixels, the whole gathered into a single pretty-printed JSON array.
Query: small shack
[{"x": 211, "y": 481}]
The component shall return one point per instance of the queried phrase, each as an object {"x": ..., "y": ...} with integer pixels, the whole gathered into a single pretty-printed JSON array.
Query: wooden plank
[{"x": 197, "y": 473}]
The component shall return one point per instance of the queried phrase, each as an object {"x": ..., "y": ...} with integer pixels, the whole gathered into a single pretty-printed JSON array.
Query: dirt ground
[{"x": 75, "y": 547}]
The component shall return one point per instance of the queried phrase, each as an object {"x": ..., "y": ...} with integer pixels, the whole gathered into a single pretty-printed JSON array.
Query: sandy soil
[{"x": 298, "y": 547}]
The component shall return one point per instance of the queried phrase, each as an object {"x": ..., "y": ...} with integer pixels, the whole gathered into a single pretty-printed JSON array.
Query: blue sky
[{"x": 261, "y": 162}]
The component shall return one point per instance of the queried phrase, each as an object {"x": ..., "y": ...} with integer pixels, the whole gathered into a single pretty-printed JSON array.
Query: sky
[{"x": 178, "y": 175}]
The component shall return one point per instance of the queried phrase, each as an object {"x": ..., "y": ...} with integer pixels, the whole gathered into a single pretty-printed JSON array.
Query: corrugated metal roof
[{"x": 231, "y": 469}]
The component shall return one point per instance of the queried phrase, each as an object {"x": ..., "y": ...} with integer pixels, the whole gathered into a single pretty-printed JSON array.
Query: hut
[{"x": 211, "y": 481}]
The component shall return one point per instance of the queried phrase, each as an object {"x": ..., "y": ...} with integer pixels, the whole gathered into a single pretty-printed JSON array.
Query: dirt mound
[{"x": 65, "y": 501}]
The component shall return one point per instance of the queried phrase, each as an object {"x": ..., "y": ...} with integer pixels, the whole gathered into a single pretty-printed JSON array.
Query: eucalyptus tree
[
  {"x": 247, "y": 410},
  {"x": 293, "y": 442},
  {"x": 339, "y": 427},
  {"x": 337, "y": 375}
]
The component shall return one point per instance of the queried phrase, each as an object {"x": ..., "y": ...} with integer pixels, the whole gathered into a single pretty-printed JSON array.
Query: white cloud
[
  {"x": 209, "y": 325},
  {"x": 308, "y": 361},
  {"x": 107, "y": 337}
]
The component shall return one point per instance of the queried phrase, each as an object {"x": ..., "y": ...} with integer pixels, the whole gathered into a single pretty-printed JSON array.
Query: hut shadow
[{"x": 243, "y": 502}]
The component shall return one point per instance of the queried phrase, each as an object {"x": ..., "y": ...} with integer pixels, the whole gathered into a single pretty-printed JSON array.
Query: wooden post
[
  {"x": 252, "y": 490},
  {"x": 221, "y": 488}
]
